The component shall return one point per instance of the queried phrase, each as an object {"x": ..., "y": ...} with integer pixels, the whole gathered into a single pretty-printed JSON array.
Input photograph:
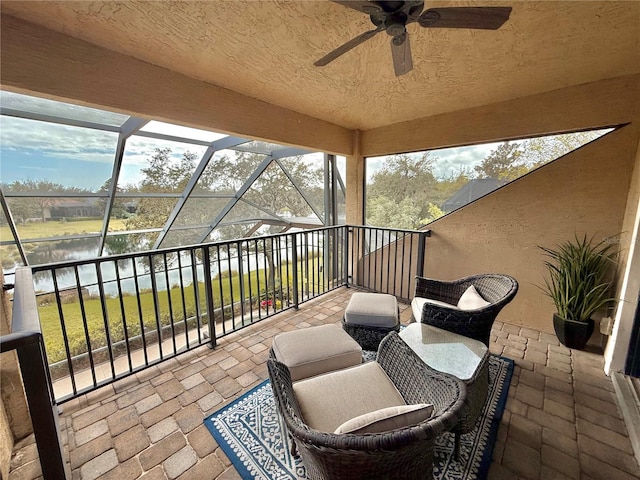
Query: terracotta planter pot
[{"x": 572, "y": 333}]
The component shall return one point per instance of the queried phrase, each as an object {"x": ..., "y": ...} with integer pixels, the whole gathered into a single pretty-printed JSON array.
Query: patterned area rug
[{"x": 248, "y": 430}]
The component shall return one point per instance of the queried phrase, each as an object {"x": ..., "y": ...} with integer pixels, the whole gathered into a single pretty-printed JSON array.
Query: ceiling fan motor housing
[{"x": 395, "y": 24}]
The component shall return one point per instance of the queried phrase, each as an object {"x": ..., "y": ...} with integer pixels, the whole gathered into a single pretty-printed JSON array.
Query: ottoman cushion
[
  {"x": 372, "y": 310},
  {"x": 311, "y": 351}
]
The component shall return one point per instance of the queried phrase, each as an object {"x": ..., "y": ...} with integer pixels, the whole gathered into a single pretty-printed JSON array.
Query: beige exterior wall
[{"x": 15, "y": 422}]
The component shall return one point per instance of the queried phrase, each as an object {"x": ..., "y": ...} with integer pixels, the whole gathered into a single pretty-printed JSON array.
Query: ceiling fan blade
[
  {"x": 363, "y": 6},
  {"x": 487, "y": 18},
  {"x": 354, "y": 42},
  {"x": 401, "y": 53}
]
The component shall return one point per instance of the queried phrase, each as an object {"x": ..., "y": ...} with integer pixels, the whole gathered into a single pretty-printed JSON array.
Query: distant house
[
  {"x": 60, "y": 208},
  {"x": 472, "y": 190}
]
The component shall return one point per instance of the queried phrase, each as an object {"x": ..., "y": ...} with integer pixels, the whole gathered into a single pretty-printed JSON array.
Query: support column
[{"x": 355, "y": 183}]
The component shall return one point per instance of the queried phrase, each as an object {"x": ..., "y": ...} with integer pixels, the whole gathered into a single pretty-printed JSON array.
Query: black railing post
[
  {"x": 347, "y": 230},
  {"x": 422, "y": 244},
  {"x": 208, "y": 291},
  {"x": 294, "y": 259},
  {"x": 42, "y": 408},
  {"x": 26, "y": 339},
  {"x": 241, "y": 283}
]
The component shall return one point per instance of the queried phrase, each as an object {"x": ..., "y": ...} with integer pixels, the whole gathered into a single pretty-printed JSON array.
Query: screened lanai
[{"x": 79, "y": 182}]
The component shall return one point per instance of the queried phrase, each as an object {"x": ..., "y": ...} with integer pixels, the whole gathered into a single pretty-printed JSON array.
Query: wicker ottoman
[
  {"x": 311, "y": 351},
  {"x": 369, "y": 317}
]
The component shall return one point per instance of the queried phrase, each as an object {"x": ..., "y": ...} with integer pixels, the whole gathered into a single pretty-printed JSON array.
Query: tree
[
  {"x": 118, "y": 207},
  {"x": 405, "y": 186},
  {"x": 503, "y": 163},
  {"x": 384, "y": 211},
  {"x": 163, "y": 175},
  {"x": 25, "y": 208},
  {"x": 540, "y": 150}
]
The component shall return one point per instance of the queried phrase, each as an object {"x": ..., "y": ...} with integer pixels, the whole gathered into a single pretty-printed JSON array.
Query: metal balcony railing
[
  {"x": 109, "y": 317},
  {"x": 26, "y": 339}
]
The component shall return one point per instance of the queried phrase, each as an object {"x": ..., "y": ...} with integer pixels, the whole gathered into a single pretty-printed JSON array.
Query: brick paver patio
[{"x": 561, "y": 420}]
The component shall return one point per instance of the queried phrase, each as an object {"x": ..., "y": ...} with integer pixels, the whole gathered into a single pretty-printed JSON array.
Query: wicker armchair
[
  {"x": 496, "y": 289},
  {"x": 401, "y": 453}
]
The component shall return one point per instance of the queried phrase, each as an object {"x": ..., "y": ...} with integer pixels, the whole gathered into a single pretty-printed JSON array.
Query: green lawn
[
  {"x": 56, "y": 228},
  {"x": 75, "y": 330}
]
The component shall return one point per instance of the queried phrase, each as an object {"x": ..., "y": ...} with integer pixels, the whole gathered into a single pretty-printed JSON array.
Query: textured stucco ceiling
[{"x": 266, "y": 50}]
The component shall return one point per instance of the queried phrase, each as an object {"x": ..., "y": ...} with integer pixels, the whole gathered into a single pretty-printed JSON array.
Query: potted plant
[{"x": 579, "y": 283}]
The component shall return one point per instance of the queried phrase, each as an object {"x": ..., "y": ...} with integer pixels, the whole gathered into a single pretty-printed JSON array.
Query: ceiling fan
[{"x": 393, "y": 17}]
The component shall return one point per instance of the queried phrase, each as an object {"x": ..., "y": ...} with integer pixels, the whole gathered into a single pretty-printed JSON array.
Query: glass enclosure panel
[
  {"x": 226, "y": 171},
  {"x": 42, "y": 217},
  {"x": 307, "y": 172},
  {"x": 341, "y": 207},
  {"x": 242, "y": 212},
  {"x": 56, "y": 180},
  {"x": 258, "y": 146},
  {"x": 413, "y": 189},
  {"x": 5, "y": 232},
  {"x": 276, "y": 194},
  {"x": 179, "y": 131},
  {"x": 231, "y": 231},
  {"x": 179, "y": 238},
  {"x": 62, "y": 250},
  {"x": 341, "y": 165},
  {"x": 42, "y": 157},
  {"x": 36, "y": 105},
  {"x": 146, "y": 212},
  {"x": 129, "y": 243},
  {"x": 10, "y": 258},
  {"x": 200, "y": 211},
  {"x": 152, "y": 165}
]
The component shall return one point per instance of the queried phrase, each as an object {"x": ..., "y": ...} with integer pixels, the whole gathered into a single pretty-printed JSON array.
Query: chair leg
[
  {"x": 456, "y": 446},
  {"x": 294, "y": 448}
]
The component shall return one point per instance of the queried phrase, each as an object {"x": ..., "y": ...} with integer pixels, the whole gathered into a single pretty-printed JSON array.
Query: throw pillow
[
  {"x": 418, "y": 302},
  {"x": 471, "y": 300},
  {"x": 387, "y": 419}
]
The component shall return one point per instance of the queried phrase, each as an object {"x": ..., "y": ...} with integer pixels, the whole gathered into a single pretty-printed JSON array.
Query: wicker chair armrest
[
  {"x": 415, "y": 380},
  {"x": 282, "y": 387}
]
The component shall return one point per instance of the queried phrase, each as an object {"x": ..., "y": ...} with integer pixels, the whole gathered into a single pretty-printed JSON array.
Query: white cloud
[{"x": 62, "y": 141}]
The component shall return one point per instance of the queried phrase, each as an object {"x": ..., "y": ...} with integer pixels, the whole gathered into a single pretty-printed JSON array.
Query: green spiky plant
[{"x": 580, "y": 274}]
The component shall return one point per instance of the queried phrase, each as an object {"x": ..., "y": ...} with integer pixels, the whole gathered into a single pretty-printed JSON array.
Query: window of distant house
[{"x": 410, "y": 190}]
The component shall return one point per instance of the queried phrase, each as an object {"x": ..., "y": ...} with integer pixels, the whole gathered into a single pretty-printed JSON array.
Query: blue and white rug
[{"x": 249, "y": 432}]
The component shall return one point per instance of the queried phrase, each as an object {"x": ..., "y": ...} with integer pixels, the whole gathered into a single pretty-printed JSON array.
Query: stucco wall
[
  {"x": 583, "y": 192},
  {"x": 14, "y": 415}
]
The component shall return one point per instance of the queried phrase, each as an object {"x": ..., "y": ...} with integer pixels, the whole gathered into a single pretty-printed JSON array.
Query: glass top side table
[
  {"x": 457, "y": 355},
  {"x": 445, "y": 351}
]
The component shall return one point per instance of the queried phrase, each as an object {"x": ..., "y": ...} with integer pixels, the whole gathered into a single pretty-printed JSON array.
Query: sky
[{"x": 74, "y": 156}]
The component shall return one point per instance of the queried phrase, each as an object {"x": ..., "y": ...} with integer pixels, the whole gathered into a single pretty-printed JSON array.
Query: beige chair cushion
[
  {"x": 315, "y": 350},
  {"x": 372, "y": 309},
  {"x": 329, "y": 400},
  {"x": 418, "y": 303},
  {"x": 387, "y": 419},
  {"x": 471, "y": 300}
]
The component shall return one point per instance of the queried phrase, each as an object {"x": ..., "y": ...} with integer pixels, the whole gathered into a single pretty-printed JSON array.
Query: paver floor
[{"x": 561, "y": 419}]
